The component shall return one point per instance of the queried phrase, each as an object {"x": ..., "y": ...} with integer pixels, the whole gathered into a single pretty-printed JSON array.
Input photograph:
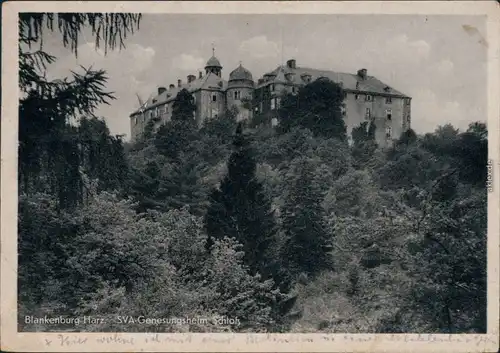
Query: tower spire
[{"x": 213, "y": 49}]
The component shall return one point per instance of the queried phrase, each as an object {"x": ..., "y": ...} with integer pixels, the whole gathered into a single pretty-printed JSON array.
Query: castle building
[{"x": 366, "y": 98}]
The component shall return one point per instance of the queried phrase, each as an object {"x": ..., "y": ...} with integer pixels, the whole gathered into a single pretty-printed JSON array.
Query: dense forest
[{"x": 287, "y": 228}]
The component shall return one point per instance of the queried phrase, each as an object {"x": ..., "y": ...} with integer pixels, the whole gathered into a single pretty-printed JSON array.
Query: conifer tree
[
  {"x": 183, "y": 107},
  {"x": 239, "y": 208},
  {"x": 308, "y": 245},
  {"x": 175, "y": 136},
  {"x": 50, "y": 147}
]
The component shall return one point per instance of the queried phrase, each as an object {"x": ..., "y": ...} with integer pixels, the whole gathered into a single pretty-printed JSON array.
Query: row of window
[
  {"x": 164, "y": 109},
  {"x": 275, "y": 103},
  {"x": 369, "y": 98},
  {"x": 272, "y": 88},
  {"x": 388, "y": 114},
  {"x": 153, "y": 113},
  {"x": 357, "y": 96}
]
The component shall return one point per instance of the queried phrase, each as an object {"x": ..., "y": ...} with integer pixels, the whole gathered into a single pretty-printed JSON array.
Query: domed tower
[
  {"x": 213, "y": 65},
  {"x": 239, "y": 91}
]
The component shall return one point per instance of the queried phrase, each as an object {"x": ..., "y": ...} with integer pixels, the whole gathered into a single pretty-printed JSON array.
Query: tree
[
  {"x": 449, "y": 260},
  {"x": 183, "y": 107},
  {"x": 307, "y": 242},
  {"x": 479, "y": 129},
  {"x": 364, "y": 145},
  {"x": 149, "y": 129},
  {"x": 471, "y": 152},
  {"x": 180, "y": 186},
  {"x": 363, "y": 132},
  {"x": 353, "y": 194},
  {"x": 318, "y": 107},
  {"x": 103, "y": 155},
  {"x": 176, "y": 135},
  {"x": 222, "y": 127},
  {"x": 48, "y": 146},
  {"x": 287, "y": 113},
  {"x": 239, "y": 208},
  {"x": 243, "y": 295}
]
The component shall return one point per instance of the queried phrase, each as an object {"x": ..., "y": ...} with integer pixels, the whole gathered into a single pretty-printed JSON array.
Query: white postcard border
[{"x": 11, "y": 340}]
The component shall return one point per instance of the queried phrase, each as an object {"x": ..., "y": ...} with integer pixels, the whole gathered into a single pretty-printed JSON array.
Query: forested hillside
[{"x": 288, "y": 229}]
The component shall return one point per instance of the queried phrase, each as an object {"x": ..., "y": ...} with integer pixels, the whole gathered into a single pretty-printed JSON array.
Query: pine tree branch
[{"x": 108, "y": 29}]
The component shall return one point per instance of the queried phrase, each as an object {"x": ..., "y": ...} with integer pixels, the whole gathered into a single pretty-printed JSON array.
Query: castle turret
[
  {"x": 240, "y": 91},
  {"x": 213, "y": 65}
]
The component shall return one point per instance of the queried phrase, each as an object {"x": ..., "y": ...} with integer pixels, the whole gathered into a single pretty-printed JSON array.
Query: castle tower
[
  {"x": 239, "y": 92},
  {"x": 213, "y": 65}
]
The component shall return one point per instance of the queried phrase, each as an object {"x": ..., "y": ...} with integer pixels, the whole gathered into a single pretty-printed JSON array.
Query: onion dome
[{"x": 240, "y": 73}]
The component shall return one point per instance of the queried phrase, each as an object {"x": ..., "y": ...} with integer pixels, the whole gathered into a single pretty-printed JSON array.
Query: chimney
[
  {"x": 161, "y": 90},
  {"x": 362, "y": 73},
  {"x": 291, "y": 64},
  {"x": 200, "y": 74},
  {"x": 191, "y": 78},
  {"x": 172, "y": 86}
]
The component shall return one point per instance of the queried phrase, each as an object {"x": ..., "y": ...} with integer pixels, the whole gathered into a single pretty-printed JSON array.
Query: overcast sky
[{"x": 440, "y": 61}]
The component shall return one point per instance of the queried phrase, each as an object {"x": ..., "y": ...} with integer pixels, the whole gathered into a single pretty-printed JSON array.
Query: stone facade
[{"x": 365, "y": 97}]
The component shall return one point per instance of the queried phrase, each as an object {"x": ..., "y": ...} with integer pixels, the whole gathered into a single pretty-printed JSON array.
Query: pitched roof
[
  {"x": 371, "y": 84},
  {"x": 280, "y": 75},
  {"x": 208, "y": 82}
]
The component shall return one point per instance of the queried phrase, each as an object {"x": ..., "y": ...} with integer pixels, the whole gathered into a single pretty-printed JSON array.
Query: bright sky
[{"x": 440, "y": 61}]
